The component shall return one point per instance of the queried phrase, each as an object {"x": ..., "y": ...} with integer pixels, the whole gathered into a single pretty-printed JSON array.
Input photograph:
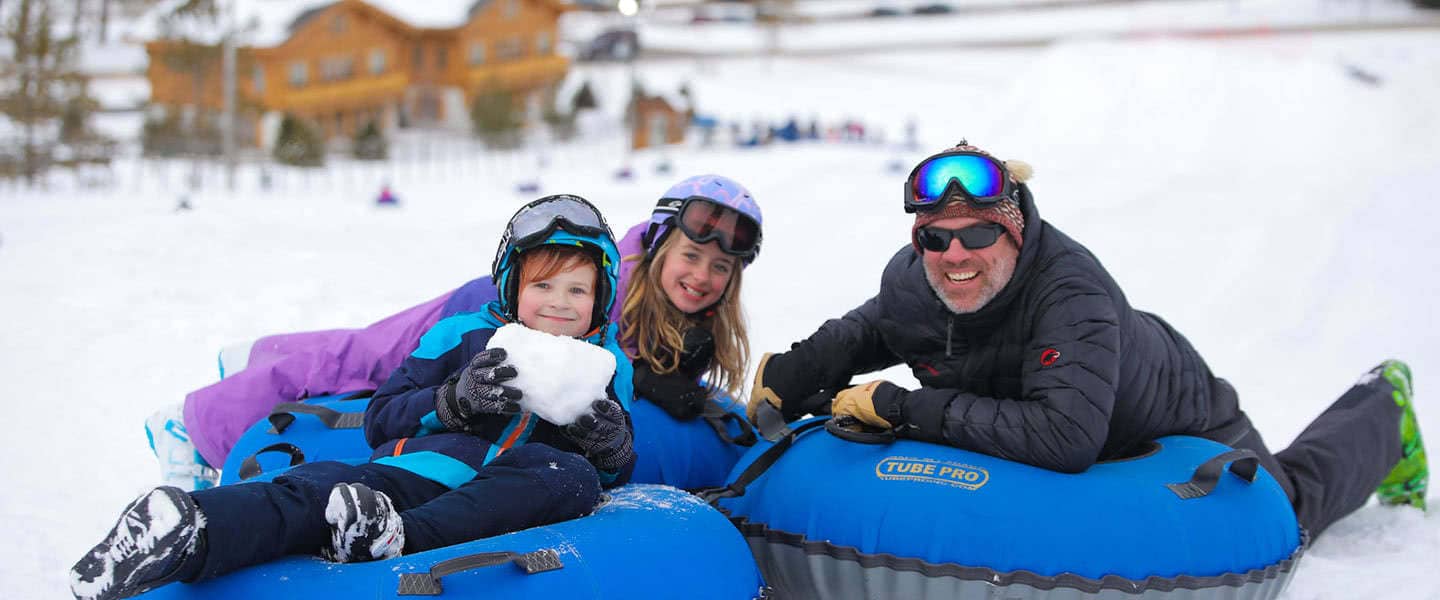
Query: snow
[
  {"x": 560, "y": 376},
  {"x": 1261, "y": 194}
]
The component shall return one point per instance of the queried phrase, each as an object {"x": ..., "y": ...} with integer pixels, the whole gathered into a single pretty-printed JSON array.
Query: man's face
[{"x": 966, "y": 280}]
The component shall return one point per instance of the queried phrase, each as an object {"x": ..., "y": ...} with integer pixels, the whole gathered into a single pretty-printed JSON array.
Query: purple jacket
[{"x": 292, "y": 366}]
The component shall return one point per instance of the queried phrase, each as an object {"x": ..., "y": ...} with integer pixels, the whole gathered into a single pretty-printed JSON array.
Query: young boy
[{"x": 455, "y": 460}]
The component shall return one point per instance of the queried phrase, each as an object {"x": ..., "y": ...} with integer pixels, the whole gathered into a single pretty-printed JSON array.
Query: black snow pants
[
  {"x": 1334, "y": 465},
  {"x": 528, "y": 486}
]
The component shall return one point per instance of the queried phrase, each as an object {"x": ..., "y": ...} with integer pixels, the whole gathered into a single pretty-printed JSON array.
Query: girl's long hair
[{"x": 654, "y": 330}]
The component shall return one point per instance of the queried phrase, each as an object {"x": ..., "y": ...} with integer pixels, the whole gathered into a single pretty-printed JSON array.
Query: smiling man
[{"x": 1027, "y": 349}]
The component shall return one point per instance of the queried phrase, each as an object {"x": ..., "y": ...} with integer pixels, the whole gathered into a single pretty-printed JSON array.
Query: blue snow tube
[
  {"x": 689, "y": 454},
  {"x": 831, "y": 518},
  {"x": 642, "y": 531}
]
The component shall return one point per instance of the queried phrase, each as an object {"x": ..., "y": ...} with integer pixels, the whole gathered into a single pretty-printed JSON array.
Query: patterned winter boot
[
  {"x": 180, "y": 463},
  {"x": 1407, "y": 481},
  {"x": 153, "y": 543},
  {"x": 363, "y": 525}
]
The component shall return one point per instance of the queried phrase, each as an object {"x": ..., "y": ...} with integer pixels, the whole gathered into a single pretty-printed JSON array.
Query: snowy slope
[{"x": 1270, "y": 204}]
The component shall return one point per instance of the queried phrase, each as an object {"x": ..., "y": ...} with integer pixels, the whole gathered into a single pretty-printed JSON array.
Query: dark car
[
  {"x": 884, "y": 11},
  {"x": 615, "y": 44},
  {"x": 932, "y": 9}
]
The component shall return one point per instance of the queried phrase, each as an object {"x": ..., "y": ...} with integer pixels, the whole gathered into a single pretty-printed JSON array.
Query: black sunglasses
[{"x": 974, "y": 237}]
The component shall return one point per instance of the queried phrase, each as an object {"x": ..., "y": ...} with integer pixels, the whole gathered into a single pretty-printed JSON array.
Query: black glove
[
  {"x": 678, "y": 394},
  {"x": 603, "y": 436},
  {"x": 696, "y": 352},
  {"x": 475, "y": 390}
]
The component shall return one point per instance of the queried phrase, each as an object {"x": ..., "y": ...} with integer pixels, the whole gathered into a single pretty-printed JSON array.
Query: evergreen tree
[
  {"x": 584, "y": 99},
  {"x": 43, "y": 77},
  {"x": 496, "y": 117},
  {"x": 370, "y": 144},
  {"x": 298, "y": 144}
]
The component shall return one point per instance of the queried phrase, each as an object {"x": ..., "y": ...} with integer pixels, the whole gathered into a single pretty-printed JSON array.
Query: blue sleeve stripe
[
  {"x": 430, "y": 423},
  {"x": 445, "y": 335},
  {"x": 434, "y": 466}
]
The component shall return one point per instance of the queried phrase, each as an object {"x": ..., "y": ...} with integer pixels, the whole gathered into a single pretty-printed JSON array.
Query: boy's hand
[
  {"x": 476, "y": 390},
  {"x": 603, "y": 436}
]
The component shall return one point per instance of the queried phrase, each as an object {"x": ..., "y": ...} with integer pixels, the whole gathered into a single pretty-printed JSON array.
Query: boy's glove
[
  {"x": 475, "y": 390},
  {"x": 603, "y": 436}
]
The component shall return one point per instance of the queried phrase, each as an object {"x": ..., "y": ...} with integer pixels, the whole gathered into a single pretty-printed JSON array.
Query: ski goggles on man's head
[
  {"x": 537, "y": 220},
  {"x": 974, "y": 237},
  {"x": 977, "y": 177},
  {"x": 704, "y": 220}
]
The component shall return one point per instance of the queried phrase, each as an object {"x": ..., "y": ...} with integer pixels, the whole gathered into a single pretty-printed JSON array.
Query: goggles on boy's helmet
[
  {"x": 558, "y": 220},
  {"x": 708, "y": 208},
  {"x": 972, "y": 174}
]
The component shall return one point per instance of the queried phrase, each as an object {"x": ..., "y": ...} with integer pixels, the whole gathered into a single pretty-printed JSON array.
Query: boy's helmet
[{"x": 563, "y": 220}]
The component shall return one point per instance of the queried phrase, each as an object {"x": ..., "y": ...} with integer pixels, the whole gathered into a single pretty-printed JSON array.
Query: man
[{"x": 1026, "y": 349}]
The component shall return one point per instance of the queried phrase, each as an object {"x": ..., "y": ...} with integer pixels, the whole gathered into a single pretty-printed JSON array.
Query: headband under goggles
[
  {"x": 979, "y": 178},
  {"x": 705, "y": 220}
]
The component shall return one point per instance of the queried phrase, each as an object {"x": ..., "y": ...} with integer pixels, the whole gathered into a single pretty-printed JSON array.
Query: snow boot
[
  {"x": 1408, "y": 480},
  {"x": 180, "y": 463},
  {"x": 363, "y": 525},
  {"x": 154, "y": 543}
]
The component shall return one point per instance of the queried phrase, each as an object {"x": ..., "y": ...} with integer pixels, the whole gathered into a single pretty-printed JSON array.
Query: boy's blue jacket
[{"x": 401, "y": 425}]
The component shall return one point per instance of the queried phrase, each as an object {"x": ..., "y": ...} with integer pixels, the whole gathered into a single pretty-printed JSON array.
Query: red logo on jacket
[{"x": 1049, "y": 356}]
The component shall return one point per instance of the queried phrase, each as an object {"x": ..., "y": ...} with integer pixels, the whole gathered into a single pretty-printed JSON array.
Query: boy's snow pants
[{"x": 528, "y": 486}]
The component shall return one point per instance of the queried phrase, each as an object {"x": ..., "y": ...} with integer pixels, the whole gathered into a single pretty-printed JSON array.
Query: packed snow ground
[{"x": 1272, "y": 198}]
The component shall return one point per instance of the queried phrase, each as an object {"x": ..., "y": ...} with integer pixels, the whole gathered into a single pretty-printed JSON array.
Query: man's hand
[
  {"x": 760, "y": 392},
  {"x": 476, "y": 390},
  {"x": 859, "y": 402},
  {"x": 603, "y": 436}
]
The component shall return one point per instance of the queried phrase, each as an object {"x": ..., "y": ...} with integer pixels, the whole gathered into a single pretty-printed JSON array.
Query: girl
[{"x": 455, "y": 457}]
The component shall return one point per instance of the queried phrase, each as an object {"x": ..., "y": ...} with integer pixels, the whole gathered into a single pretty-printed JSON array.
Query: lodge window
[
  {"x": 338, "y": 24},
  {"x": 542, "y": 43},
  {"x": 441, "y": 56},
  {"x": 477, "y": 53},
  {"x": 257, "y": 79},
  {"x": 377, "y": 61},
  {"x": 299, "y": 74},
  {"x": 337, "y": 68},
  {"x": 512, "y": 9},
  {"x": 509, "y": 48},
  {"x": 417, "y": 57}
]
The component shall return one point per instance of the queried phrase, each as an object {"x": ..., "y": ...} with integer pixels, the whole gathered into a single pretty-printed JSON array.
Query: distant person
[
  {"x": 1027, "y": 350},
  {"x": 386, "y": 198}
]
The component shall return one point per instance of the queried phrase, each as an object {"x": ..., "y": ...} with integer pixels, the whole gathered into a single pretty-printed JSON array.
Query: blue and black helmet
[{"x": 561, "y": 220}]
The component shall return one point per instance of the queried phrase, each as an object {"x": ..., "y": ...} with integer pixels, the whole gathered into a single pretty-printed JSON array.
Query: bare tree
[{"x": 44, "y": 78}]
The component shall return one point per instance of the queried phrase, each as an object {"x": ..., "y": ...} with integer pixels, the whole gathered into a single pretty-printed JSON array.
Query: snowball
[{"x": 560, "y": 376}]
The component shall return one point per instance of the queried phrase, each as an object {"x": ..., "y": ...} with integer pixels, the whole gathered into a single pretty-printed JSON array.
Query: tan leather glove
[
  {"x": 859, "y": 402},
  {"x": 759, "y": 392}
]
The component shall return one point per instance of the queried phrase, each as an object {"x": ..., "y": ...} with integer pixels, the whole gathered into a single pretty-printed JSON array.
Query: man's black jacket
[{"x": 1057, "y": 371}]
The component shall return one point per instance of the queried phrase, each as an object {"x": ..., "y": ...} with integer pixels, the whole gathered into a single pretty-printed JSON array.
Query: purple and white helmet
[{"x": 738, "y": 234}]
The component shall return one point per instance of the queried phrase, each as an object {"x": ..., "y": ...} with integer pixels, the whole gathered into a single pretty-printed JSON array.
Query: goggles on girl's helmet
[{"x": 708, "y": 208}]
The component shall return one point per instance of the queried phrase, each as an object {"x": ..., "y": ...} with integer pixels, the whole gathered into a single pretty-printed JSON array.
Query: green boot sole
[{"x": 1409, "y": 479}]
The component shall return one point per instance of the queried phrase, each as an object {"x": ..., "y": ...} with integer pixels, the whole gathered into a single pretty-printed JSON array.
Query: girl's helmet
[
  {"x": 706, "y": 208},
  {"x": 565, "y": 220}
]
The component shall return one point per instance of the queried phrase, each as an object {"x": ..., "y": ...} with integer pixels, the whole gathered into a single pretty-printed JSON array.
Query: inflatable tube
[
  {"x": 836, "y": 519},
  {"x": 646, "y": 542},
  {"x": 684, "y": 454}
]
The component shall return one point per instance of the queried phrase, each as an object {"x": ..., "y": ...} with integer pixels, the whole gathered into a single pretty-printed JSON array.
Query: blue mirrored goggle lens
[{"x": 979, "y": 175}]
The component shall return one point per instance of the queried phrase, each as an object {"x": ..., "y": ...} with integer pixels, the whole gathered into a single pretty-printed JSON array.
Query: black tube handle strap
[
  {"x": 284, "y": 415},
  {"x": 1244, "y": 463},
  {"x": 250, "y": 467},
  {"x": 428, "y": 584},
  {"x": 716, "y": 416},
  {"x": 756, "y": 469},
  {"x": 851, "y": 429}
]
